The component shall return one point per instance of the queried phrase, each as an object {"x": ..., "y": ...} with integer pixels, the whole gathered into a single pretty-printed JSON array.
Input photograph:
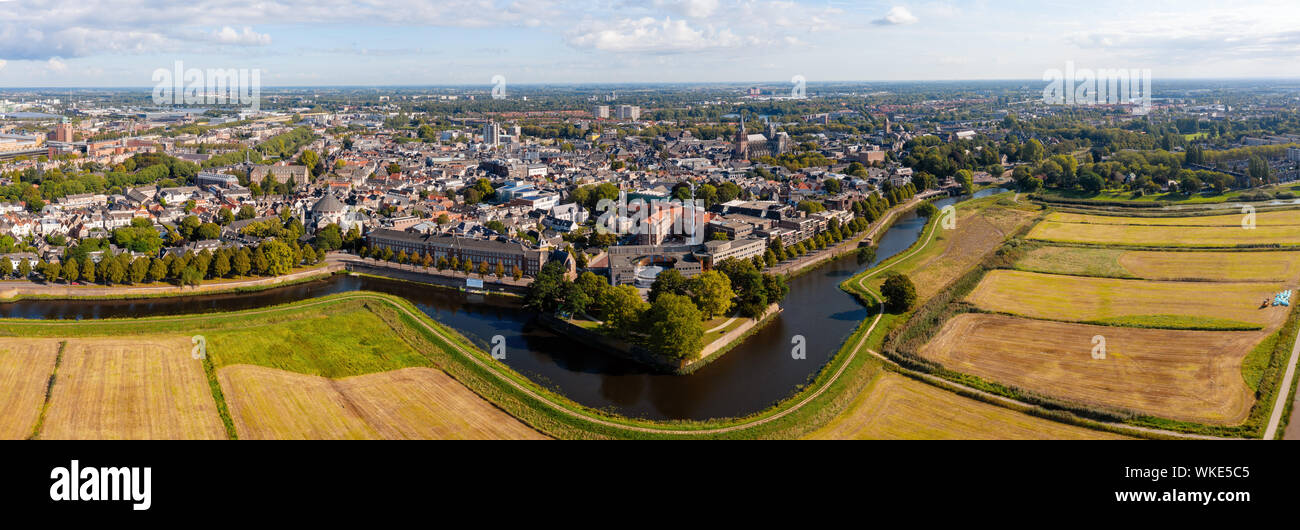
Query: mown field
[
  {"x": 410, "y": 403},
  {"x": 982, "y": 225},
  {"x": 131, "y": 388},
  {"x": 1272, "y": 266},
  {"x": 1183, "y": 375},
  {"x": 1138, "y": 303},
  {"x": 1165, "y": 236},
  {"x": 896, "y": 407},
  {"x": 25, "y": 368}
]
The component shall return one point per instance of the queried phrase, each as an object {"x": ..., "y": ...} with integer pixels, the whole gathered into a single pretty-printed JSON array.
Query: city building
[{"x": 508, "y": 253}]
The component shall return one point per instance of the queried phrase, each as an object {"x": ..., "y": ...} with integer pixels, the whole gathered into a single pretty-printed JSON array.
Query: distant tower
[
  {"x": 888, "y": 126},
  {"x": 742, "y": 142}
]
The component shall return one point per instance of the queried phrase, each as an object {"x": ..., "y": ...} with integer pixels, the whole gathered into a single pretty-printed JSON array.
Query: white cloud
[
  {"x": 3, "y": 63},
  {"x": 649, "y": 35},
  {"x": 228, "y": 35},
  {"x": 56, "y": 64},
  {"x": 1196, "y": 35},
  {"x": 897, "y": 16},
  {"x": 689, "y": 8}
]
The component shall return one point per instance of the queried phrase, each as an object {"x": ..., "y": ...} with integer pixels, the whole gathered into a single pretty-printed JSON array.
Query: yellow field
[
  {"x": 898, "y": 407},
  {"x": 1087, "y": 299},
  {"x": 25, "y": 367},
  {"x": 1164, "y": 236},
  {"x": 131, "y": 388},
  {"x": 1183, "y": 375},
  {"x": 1273, "y": 266},
  {"x": 1218, "y": 266},
  {"x": 423, "y": 403},
  {"x": 1274, "y": 218}
]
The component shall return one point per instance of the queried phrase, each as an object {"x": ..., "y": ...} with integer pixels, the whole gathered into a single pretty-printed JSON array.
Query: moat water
[{"x": 747, "y": 379}]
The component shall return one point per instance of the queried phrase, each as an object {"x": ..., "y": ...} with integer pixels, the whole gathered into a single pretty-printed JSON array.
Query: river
[{"x": 749, "y": 378}]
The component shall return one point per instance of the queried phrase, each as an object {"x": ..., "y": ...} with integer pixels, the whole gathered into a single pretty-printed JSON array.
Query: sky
[{"x": 120, "y": 43}]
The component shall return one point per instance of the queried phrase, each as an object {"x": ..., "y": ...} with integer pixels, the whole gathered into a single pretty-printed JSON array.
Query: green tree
[
  {"x": 115, "y": 272},
  {"x": 621, "y": 307},
  {"x": 157, "y": 270},
  {"x": 242, "y": 262},
  {"x": 712, "y": 293},
  {"x": 88, "y": 271},
  {"x": 674, "y": 327},
  {"x": 899, "y": 293},
  {"x": 209, "y": 231},
  {"x": 139, "y": 269},
  {"x": 547, "y": 289},
  {"x": 668, "y": 282}
]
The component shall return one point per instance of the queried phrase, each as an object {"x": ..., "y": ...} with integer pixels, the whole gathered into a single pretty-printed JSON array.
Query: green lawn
[{"x": 341, "y": 344}]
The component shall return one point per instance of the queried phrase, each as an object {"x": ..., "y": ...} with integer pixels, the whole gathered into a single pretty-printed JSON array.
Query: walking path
[{"x": 1283, "y": 393}]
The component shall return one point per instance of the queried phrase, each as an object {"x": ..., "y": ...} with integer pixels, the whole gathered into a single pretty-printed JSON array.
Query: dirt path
[{"x": 723, "y": 325}]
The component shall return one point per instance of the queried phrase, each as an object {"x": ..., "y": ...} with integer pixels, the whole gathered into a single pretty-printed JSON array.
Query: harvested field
[
  {"x": 411, "y": 403},
  {"x": 1165, "y": 236},
  {"x": 1183, "y": 375},
  {"x": 1275, "y": 266},
  {"x": 1141, "y": 303},
  {"x": 25, "y": 367},
  {"x": 131, "y": 388},
  {"x": 982, "y": 225},
  {"x": 898, "y": 407},
  {"x": 975, "y": 235},
  {"x": 1275, "y": 218}
]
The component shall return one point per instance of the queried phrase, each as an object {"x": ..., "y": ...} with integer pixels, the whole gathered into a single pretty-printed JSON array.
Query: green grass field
[{"x": 340, "y": 344}]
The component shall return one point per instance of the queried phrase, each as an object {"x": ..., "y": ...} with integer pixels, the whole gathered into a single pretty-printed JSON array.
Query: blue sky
[{"x": 403, "y": 42}]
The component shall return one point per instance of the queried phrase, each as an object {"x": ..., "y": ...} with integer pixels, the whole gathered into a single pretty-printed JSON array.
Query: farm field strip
[
  {"x": 1165, "y": 236},
  {"x": 410, "y": 403},
  {"x": 1230, "y": 266},
  {"x": 1183, "y": 375},
  {"x": 25, "y": 368},
  {"x": 1090, "y": 299},
  {"x": 131, "y": 388},
  {"x": 898, "y": 407},
  {"x": 1270, "y": 218}
]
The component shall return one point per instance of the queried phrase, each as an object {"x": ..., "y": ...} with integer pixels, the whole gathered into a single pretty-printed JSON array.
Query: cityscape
[{"x": 680, "y": 220}]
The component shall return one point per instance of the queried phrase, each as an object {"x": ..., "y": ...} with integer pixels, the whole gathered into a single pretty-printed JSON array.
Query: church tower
[{"x": 742, "y": 142}]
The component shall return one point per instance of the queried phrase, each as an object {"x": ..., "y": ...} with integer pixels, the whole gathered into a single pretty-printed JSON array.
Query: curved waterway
[{"x": 749, "y": 378}]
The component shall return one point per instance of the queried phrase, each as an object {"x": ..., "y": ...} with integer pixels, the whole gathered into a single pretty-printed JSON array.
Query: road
[{"x": 1284, "y": 392}]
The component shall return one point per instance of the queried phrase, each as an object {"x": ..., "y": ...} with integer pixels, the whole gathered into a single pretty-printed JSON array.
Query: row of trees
[
  {"x": 426, "y": 260},
  {"x": 270, "y": 258}
]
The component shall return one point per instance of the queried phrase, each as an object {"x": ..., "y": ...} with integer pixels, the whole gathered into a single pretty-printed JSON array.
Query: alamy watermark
[
  {"x": 1083, "y": 86},
  {"x": 213, "y": 86},
  {"x": 661, "y": 217}
]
